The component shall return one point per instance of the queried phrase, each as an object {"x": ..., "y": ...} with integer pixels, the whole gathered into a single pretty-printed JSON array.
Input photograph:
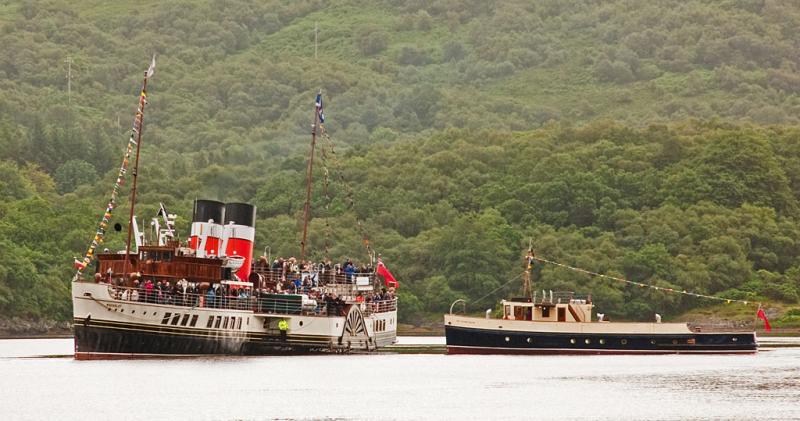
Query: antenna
[
  {"x": 69, "y": 79},
  {"x": 316, "y": 39}
]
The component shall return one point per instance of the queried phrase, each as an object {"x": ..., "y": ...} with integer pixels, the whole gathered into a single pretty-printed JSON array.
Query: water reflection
[{"x": 398, "y": 387}]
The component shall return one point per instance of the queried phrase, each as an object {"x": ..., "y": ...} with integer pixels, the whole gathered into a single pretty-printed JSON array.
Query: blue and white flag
[
  {"x": 319, "y": 108},
  {"x": 152, "y": 68}
]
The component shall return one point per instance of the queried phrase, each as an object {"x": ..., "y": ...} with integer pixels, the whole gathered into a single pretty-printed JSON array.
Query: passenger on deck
[
  {"x": 141, "y": 288},
  {"x": 211, "y": 298},
  {"x": 148, "y": 288},
  {"x": 349, "y": 271}
]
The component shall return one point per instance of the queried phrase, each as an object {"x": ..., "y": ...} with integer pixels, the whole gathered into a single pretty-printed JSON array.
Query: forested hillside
[{"x": 655, "y": 141}]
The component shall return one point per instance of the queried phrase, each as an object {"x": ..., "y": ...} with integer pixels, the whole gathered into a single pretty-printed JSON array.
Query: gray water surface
[{"x": 763, "y": 386}]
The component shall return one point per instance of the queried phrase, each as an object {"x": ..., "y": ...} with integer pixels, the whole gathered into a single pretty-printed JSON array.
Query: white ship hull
[{"x": 107, "y": 327}]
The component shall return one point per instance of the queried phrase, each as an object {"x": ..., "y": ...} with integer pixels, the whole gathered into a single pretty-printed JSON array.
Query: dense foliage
[{"x": 455, "y": 124}]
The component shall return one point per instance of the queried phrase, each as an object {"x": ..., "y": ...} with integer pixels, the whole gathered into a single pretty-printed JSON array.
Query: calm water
[{"x": 763, "y": 386}]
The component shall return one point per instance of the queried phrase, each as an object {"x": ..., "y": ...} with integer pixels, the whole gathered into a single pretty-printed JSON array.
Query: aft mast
[{"x": 319, "y": 118}]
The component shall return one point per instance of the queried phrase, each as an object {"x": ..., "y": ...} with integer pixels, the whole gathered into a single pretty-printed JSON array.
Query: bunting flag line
[
  {"x": 98, "y": 239},
  {"x": 643, "y": 285}
]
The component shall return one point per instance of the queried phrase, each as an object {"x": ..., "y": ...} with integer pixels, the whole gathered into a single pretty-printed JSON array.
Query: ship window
[
  {"x": 572, "y": 341},
  {"x": 652, "y": 341},
  {"x": 674, "y": 341},
  {"x": 219, "y": 320},
  {"x": 624, "y": 341},
  {"x": 225, "y": 323},
  {"x": 301, "y": 322},
  {"x": 239, "y": 323},
  {"x": 166, "y": 318},
  {"x": 175, "y": 319},
  {"x": 133, "y": 311},
  {"x": 507, "y": 339},
  {"x": 248, "y": 321},
  {"x": 602, "y": 341},
  {"x": 210, "y": 321},
  {"x": 185, "y": 319},
  {"x": 735, "y": 339},
  {"x": 545, "y": 311},
  {"x": 530, "y": 340},
  {"x": 587, "y": 341},
  {"x": 194, "y": 321}
]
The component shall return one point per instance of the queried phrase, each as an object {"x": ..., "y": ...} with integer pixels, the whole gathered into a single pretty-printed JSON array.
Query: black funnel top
[
  {"x": 240, "y": 214},
  {"x": 208, "y": 209}
]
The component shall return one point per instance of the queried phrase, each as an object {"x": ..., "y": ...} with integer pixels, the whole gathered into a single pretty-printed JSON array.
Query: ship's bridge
[{"x": 561, "y": 306}]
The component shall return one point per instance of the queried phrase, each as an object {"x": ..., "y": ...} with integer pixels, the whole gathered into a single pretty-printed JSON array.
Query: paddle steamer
[{"x": 207, "y": 296}]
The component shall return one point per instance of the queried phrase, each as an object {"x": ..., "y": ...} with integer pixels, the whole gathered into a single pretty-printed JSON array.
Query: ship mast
[
  {"x": 138, "y": 126},
  {"x": 309, "y": 173},
  {"x": 527, "y": 289}
]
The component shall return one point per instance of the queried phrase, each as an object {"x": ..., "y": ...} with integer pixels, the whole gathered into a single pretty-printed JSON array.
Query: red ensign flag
[
  {"x": 387, "y": 276},
  {"x": 763, "y": 317}
]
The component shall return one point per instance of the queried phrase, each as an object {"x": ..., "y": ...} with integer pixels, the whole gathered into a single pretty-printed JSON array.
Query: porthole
[
  {"x": 133, "y": 311},
  {"x": 624, "y": 341},
  {"x": 507, "y": 339},
  {"x": 587, "y": 341},
  {"x": 652, "y": 341},
  {"x": 674, "y": 341},
  {"x": 602, "y": 341},
  {"x": 529, "y": 340},
  {"x": 145, "y": 313},
  {"x": 572, "y": 341},
  {"x": 301, "y": 323},
  {"x": 122, "y": 310},
  {"x": 735, "y": 339}
]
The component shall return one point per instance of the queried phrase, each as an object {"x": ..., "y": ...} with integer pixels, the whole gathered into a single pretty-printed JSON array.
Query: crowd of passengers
[
  {"x": 283, "y": 277},
  {"x": 291, "y": 270}
]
